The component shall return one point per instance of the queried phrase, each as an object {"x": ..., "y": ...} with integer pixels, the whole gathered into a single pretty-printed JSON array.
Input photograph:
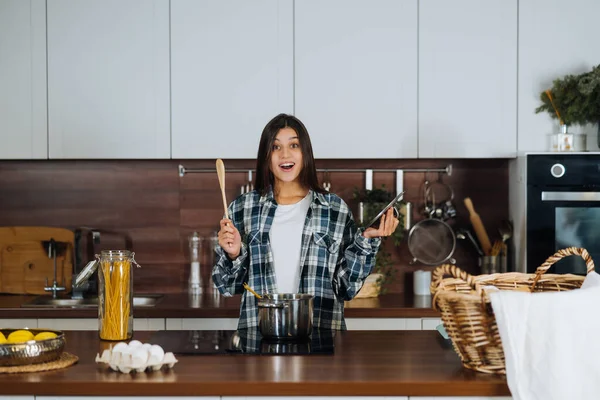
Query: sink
[{"x": 146, "y": 300}]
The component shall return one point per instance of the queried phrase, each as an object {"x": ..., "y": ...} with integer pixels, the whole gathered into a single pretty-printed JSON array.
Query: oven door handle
[{"x": 570, "y": 196}]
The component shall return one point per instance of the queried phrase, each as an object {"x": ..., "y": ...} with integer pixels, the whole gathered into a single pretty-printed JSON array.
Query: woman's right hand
[{"x": 230, "y": 239}]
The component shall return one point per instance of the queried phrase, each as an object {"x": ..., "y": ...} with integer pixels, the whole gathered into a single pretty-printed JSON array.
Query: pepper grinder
[{"x": 195, "y": 281}]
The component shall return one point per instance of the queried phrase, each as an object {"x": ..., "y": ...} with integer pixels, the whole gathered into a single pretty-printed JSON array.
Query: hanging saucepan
[{"x": 431, "y": 242}]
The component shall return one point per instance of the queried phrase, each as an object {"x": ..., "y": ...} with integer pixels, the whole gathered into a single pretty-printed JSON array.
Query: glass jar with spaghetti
[{"x": 115, "y": 294}]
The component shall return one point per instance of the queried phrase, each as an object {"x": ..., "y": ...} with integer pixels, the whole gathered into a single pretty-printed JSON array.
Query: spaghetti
[{"x": 114, "y": 310}]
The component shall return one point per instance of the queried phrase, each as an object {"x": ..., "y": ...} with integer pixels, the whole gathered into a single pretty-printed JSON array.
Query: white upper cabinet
[
  {"x": 23, "y": 117},
  {"x": 356, "y": 77},
  {"x": 108, "y": 79},
  {"x": 468, "y": 78},
  {"x": 232, "y": 72},
  {"x": 555, "y": 39}
]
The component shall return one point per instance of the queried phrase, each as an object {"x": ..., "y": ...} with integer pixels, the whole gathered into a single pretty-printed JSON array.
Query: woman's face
[{"x": 286, "y": 156}]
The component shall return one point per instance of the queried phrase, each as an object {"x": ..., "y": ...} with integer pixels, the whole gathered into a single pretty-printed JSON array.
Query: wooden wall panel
[{"x": 148, "y": 201}]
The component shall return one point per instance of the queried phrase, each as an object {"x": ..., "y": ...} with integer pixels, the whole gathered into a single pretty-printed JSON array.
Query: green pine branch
[{"x": 576, "y": 97}]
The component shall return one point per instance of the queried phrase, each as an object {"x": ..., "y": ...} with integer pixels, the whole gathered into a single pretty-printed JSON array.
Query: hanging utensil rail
[{"x": 446, "y": 170}]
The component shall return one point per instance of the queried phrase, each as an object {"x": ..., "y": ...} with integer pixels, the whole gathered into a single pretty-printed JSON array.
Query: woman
[{"x": 290, "y": 236}]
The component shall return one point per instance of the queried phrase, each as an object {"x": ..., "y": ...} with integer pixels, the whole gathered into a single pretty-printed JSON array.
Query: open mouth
[{"x": 287, "y": 166}]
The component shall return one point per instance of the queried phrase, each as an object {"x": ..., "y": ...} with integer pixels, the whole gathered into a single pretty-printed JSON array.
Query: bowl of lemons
[{"x": 30, "y": 346}]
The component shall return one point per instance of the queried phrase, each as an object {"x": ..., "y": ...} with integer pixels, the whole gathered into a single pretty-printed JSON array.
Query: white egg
[
  {"x": 156, "y": 367},
  {"x": 156, "y": 355},
  {"x": 139, "y": 358},
  {"x": 135, "y": 343},
  {"x": 146, "y": 346},
  {"x": 119, "y": 347},
  {"x": 124, "y": 368},
  {"x": 125, "y": 363}
]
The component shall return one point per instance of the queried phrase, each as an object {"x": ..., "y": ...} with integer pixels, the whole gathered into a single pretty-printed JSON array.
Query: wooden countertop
[
  {"x": 208, "y": 306},
  {"x": 365, "y": 363}
]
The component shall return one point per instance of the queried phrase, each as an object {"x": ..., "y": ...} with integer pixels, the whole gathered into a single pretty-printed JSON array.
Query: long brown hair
[{"x": 264, "y": 176}]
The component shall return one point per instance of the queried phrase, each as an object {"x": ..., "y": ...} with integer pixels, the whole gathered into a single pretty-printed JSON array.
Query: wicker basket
[{"x": 467, "y": 313}]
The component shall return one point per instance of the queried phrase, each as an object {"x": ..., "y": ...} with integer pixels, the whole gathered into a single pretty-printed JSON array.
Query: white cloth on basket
[{"x": 551, "y": 341}]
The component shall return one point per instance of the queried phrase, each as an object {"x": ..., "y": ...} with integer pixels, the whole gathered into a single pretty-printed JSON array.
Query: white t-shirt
[{"x": 286, "y": 240}]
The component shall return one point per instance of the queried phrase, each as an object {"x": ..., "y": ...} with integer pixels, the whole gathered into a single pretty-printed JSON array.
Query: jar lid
[
  {"x": 86, "y": 273},
  {"x": 116, "y": 254}
]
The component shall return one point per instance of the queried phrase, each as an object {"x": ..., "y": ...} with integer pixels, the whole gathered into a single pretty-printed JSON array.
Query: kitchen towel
[{"x": 550, "y": 341}]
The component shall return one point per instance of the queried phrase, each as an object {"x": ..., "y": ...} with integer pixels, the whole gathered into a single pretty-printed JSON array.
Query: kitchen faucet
[{"x": 52, "y": 254}]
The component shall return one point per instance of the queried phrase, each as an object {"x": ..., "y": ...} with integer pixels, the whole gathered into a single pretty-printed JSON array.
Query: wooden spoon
[{"x": 221, "y": 175}]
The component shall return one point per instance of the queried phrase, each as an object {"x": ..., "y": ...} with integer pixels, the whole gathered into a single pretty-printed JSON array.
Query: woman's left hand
[{"x": 387, "y": 225}]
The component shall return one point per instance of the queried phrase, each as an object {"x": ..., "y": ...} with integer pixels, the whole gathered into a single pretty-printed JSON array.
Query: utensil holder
[{"x": 493, "y": 264}]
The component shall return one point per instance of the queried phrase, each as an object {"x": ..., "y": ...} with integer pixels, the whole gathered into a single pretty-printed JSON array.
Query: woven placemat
[{"x": 65, "y": 360}]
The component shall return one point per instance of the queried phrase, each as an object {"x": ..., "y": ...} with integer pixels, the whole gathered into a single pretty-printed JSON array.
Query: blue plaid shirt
[{"x": 334, "y": 256}]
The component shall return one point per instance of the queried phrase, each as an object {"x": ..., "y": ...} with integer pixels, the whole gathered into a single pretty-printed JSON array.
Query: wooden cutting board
[{"x": 24, "y": 261}]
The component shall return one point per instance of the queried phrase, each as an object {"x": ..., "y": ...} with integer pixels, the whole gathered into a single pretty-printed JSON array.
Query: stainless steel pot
[{"x": 285, "y": 316}]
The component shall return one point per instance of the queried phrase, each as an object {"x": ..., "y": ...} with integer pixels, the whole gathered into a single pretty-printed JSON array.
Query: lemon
[
  {"x": 2, "y": 337},
  {"x": 44, "y": 336},
  {"x": 19, "y": 336}
]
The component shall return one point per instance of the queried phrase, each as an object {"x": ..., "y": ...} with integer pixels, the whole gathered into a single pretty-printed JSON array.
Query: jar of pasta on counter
[{"x": 115, "y": 294}]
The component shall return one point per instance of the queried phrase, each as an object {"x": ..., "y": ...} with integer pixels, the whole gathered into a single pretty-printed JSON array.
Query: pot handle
[{"x": 274, "y": 305}]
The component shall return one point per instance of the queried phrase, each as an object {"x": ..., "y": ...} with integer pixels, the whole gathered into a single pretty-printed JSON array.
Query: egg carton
[{"x": 136, "y": 357}]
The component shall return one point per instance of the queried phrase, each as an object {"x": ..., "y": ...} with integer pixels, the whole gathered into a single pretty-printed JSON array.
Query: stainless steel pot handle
[{"x": 274, "y": 305}]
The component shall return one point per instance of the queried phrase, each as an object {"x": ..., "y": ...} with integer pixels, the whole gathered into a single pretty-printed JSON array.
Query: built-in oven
[{"x": 563, "y": 208}]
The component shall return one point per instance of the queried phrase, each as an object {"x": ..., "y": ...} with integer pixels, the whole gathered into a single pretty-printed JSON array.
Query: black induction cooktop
[{"x": 241, "y": 342}]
